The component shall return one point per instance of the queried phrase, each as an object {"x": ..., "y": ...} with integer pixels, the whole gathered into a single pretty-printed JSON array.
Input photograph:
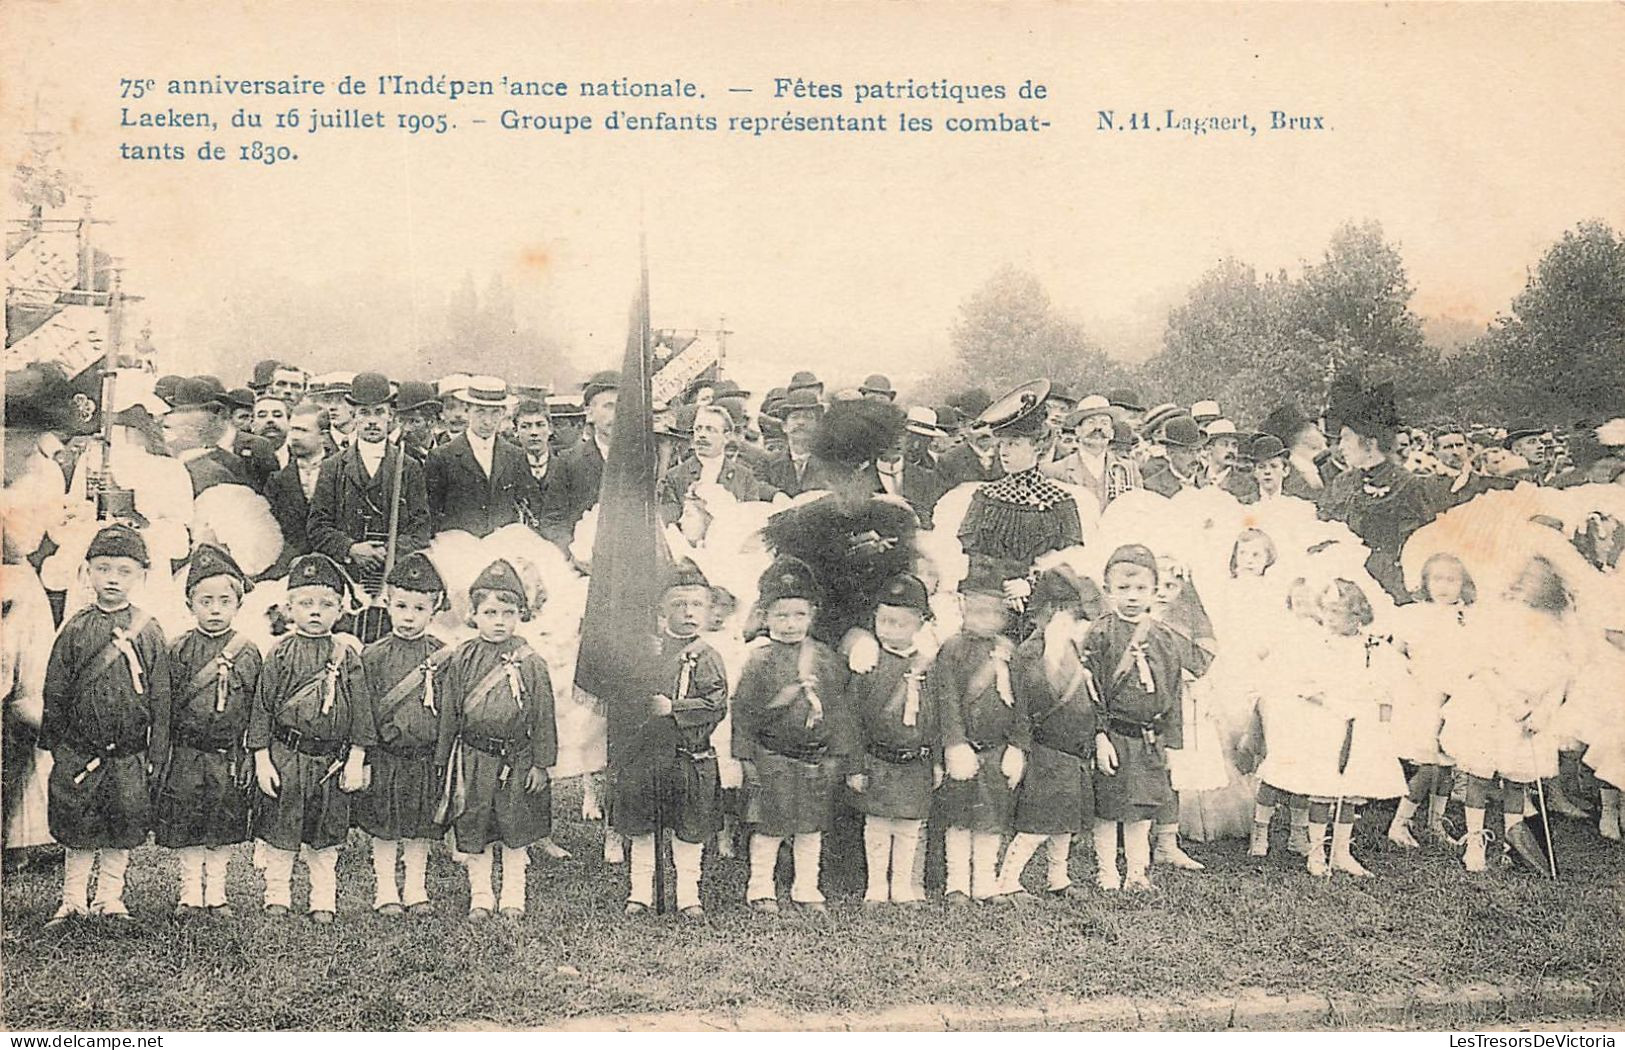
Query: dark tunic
[
  {"x": 800, "y": 750},
  {"x": 1382, "y": 506},
  {"x": 204, "y": 798},
  {"x": 400, "y": 801},
  {"x": 1129, "y": 710},
  {"x": 490, "y": 740},
  {"x": 897, "y": 757},
  {"x": 1054, "y": 795},
  {"x": 672, "y": 778},
  {"x": 101, "y": 733},
  {"x": 307, "y": 744},
  {"x": 963, "y": 685}
]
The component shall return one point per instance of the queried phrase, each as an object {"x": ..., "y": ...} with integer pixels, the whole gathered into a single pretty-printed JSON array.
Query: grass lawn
[{"x": 1242, "y": 923}]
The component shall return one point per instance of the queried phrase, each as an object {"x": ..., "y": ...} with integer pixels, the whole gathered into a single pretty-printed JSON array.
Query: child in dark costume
[{"x": 203, "y": 804}]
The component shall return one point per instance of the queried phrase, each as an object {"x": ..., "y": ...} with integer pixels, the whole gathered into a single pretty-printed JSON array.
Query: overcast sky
[{"x": 1476, "y": 135}]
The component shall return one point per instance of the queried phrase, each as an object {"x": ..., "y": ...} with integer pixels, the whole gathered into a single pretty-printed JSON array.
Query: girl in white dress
[
  {"x": 1433, "y": 632},
  {"x": 1341, "y": 753},
  {"x": 1499, "y": 724}
]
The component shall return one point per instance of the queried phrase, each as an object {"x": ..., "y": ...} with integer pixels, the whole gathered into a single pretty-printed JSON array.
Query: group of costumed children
[{"x": 1010, "y": 744}]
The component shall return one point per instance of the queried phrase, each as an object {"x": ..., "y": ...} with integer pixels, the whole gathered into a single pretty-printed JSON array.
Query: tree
[
  {"x": 1253, "y": 343},
  {"x": 1009, "y": 333},
  {"x": 1559, "y": 354}
]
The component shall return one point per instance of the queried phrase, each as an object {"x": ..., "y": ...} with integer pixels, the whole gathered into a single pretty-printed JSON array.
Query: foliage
[
  {"x": 1559, "y": 353},
  {"x": 1252, "y": 343},
  {"x": 1009, "y": 332}
]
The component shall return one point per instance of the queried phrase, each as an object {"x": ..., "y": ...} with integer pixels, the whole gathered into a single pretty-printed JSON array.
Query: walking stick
[{"x": 1545, "y": 818}]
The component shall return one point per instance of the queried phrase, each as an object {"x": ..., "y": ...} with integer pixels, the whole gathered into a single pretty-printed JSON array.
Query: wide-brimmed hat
[
  {"x": 1159, "y": 415},
  {"x": 1203, "y": 410},
  {"x": 802, "y": 399},
  {"x": 1093, "y": 405},
  {"x": 923, "y": 421},
  {"x": 1019, "y": 412},
  {"x": 804, "y": 381},
  {"x": 1220, "y": 428},
  {"x": 487, "y": 392}
]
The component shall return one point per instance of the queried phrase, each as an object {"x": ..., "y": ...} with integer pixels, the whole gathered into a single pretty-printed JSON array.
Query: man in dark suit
[
  {"x": 350, "y": 510},
  {"x": 1180, "y": 466},
  {"x": 477, "y": 481},
  {"x": 907, "y": 471},
  {"x": 290, "y": 489},
  {"x": 581, "y": 466},
  {"x": 793, "y": 471},
  {"x": 974, "y": 459},
  {"x": 710, "y": 461},
  {"x": 194, "y": 428}
]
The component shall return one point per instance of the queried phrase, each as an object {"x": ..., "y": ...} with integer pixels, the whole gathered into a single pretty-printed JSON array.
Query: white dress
[
  {"x": 1501, "y": 721},
  {"x": 26, "y": 631},
  {"x": 1439, "y": 644},
  {"x": 1336, "y": 693}
]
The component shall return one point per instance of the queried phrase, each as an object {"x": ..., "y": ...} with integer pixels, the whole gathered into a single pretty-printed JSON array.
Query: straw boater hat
[
  {"x": 447, "y": 386},
  {"x": 487, "y": 391}
]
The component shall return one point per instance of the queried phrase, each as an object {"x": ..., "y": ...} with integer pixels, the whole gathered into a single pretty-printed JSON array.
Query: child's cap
[
  {"x": 1131, "y": 554},
  {"x": 500, "y": 575},
  {"x": 1059, "y": 585},
  {"x": 906, "y": 591},
  {"x": 982, "y": 580},
  {"x": 119, "y": 541},
  {"x": 788, "y": 578},
  {"x": 209, "y": 560},
  {"x": 416, "y": 572},
  {"x": 318, "y": 570},
  {"x": 684, "y": 573}
]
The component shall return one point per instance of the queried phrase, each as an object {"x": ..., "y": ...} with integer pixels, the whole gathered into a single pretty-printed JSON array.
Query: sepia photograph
[{"x": 793, "y": 516}]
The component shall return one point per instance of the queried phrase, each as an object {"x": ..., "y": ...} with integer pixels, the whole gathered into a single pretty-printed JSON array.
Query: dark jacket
[
  {"x": 214, "y": 467},
  {"x": 961, "y": 464},
  {"x": 572, "y": 489},
  {"x": 257, "y": 458},
  {"x": 292, "y": 512},
  {"x": 462, "y": 497},
  {"x": 348, "y": 505},
  {"x": 738, "y": 479}
]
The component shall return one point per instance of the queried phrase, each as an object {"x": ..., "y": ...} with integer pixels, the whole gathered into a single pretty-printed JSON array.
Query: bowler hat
[
  {"x": 878, "y": 384},
  {"x": 599, "y": 383},
  {"x": 1181, "y": 432},
  {"x": 414, "y": 396},
  {"x": 370, "y": 388}
]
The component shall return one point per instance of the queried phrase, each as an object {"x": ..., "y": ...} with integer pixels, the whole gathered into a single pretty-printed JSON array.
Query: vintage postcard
[{"x": 805, "y": 516}]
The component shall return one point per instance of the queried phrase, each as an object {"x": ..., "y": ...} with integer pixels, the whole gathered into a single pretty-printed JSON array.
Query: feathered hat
[{"x": 853, "y": 433}]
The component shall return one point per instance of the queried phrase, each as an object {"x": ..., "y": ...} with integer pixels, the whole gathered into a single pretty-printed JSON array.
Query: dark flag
[{"x": 619, "y": 645}]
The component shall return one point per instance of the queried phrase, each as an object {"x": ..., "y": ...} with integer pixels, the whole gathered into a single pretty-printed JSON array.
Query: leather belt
[
  {"x": 306, "y": 744},
  {"x": 899, "y": 756}
]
